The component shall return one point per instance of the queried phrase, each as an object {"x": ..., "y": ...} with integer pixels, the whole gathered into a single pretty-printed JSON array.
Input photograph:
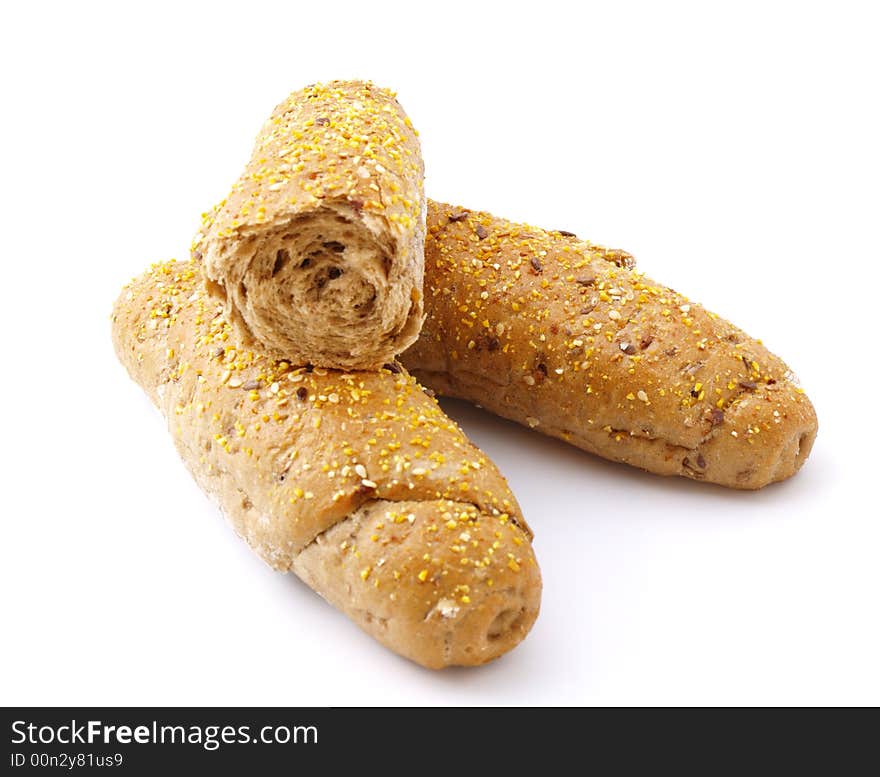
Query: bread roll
[
  {"x": 357, "y": 482},
  {"x": 566, "y": 338},
  {"x": 318, "y": 252}
]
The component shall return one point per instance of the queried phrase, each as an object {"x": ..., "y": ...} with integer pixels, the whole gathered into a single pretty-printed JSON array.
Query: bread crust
[
  {"x": 318, "y": 251},
  {"x": 357, "y": 482},
  {"x": 569, "y": 339}
]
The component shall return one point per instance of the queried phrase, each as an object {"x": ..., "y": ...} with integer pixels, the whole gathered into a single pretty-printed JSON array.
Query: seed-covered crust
[
  {"x": 356, "y": 481},
  {"x": 318, "y": 251},
  {"x": 568, "y": 338}
]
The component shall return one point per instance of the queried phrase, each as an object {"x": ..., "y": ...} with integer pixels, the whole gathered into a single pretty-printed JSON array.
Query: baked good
[
  {"x": 318, "y": 251},
  {"x": 569, "y": 339},
  {"x": 355, "y": 481}
]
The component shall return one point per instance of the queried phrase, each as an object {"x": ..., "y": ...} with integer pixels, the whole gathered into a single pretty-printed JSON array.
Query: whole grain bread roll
[
  {"x": 357, "y": 482},
  {"x": 567, "y": 338},
  {"x": 318, "y": 251}
]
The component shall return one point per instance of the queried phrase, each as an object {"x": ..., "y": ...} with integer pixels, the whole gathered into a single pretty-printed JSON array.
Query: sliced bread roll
[{"x": 318, "y": 251}]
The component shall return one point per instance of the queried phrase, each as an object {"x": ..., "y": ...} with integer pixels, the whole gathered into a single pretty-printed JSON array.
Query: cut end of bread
[{"x": 321, "y": 287}]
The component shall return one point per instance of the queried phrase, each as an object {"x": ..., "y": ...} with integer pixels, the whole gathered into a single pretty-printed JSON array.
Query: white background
[{"x": 733, "y": 148}]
